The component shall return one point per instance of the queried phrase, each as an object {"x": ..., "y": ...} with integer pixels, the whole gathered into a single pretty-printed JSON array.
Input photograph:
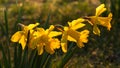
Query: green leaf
[
  {"x": 43, "y": 59},
  {"x": 17, "y": 55},
  {"x": 20, "y": 13},
  {"x": 2, "y": 29},
  {"x": 7, "y": 36},
  {"x": 46, "y": 25},
  {"x": 6, "y": 63},
  {"x": 32, "y": 58}
]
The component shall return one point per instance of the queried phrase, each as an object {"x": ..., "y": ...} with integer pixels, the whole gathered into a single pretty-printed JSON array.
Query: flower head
[
  {"x": 97, "y": 20},
  {"x": 44, "y": 39},
  {"x": 21, "y": 36},
  {"x": 70, "y": 33}
]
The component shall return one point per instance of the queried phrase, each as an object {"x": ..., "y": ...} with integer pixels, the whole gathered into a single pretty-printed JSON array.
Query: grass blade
[
  {"x": 7, "y": 36},
  {"x": 5, "y": 61},
  {"x": 17, "y": 55},
  {"x": 46, "y": 25},
  {"x": 2, "y": 30},
  {"x": 32, "y": 58}
]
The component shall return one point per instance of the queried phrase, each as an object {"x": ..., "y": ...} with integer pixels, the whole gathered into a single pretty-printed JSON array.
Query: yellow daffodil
[
  {"x": 44, "y": 40},
  {"x": 97, "y": 20},
  {"x": 71, "y": 34},
  {"x": 21, "y": 36}
]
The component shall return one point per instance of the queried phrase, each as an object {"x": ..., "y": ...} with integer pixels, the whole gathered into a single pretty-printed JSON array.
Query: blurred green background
[{"x": 99, "y": 52}]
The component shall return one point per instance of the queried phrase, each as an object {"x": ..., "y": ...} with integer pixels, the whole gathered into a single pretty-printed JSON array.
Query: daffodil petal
[
  {"x": 64, "y": 37},
  {"x": 33, "y": 43},
  {"x": 71, "y": 39},
  {"x": 40, "y": 49},
  {"x": 50, "y": 29},
  {"x": 16, "y": 37},
  {"x": 80, "y": 44},
  {"x": 64, "y": 47},
  {"x": 110, "y": 15},
  {"x": 55, "y": 43},
  {"x": 84, "y": 35},
  {"x": 74, "y": 34},
  {"x": 100, "y": 9},
  {"x": 52, "y": 45},
  {"x": 105, "y": 21},
  {"x": 83, "y": 38},
  {"x": 64, "y": 41},
  {"x": 38, "y": 32},
  {"x": 54, "y": 33},
  {"x": 31, "y": 26},
  {"x": 96, "y": 30},
  {"x": 49, "y": 49},
  {"x": 76, "y": 24},
  {"x": 23, "y": 41}
]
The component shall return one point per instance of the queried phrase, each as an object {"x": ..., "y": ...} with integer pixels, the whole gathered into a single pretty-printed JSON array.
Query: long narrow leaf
[
  {"x": 20, "y": 10},
  {"x": 7, "y": 36},
  {"x": 6, "y": 64},
  {"x": 2, "y": 29},
  {"x": 46, "y": 25},
  {"x": 43, "y": 59},
  {"x": 32, "y": 58}
]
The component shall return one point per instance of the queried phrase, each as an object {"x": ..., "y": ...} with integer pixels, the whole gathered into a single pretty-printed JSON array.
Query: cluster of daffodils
[{"x": 45, "y": 39}]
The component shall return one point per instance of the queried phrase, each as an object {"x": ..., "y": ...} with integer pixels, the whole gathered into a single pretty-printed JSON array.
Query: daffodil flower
[
  {"x": 21, "y": 36},
  {"x": 70, "y": 33},
  {"x": 97, "y": 20},
  {"x": 44, "y": 39}
]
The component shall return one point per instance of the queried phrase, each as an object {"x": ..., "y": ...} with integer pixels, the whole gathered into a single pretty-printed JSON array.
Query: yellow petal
[
  {"x": 84, "y": 35},
  {"x": 64, "y": 37},
  {"x": 16, "y": 37},
  {"x": 80, "y": 44},
  {"x": 31, "y": 26},
  {"x": 54, "y": 33},
  {"x": 39, "y": 32},
  {"x": 40, "y": 29},
  {"x": 83, "y": 38},
  {"x": 23, "y": 41},
  {"x": 96, "y": 30},
  {"x": 64, "y": 41},
  {"x": 50, "y": 29},
  {"x": 52, "y": 45},
  {"x": 40, "y": 49},
  {"x": 64, "y": 47},
  {"x": 110, "y": 15},
  {"x": 100, "y": 9},
  {"x": 71, "y": 39},
  {"x": 105, "y": 21},
  {"x": 76, "y": 24},
  {"x": 33, "y": 43},
  {"x": 74, "y": 34},
  {"x": 55, "y": 43},
  {"x": 49, "y": 49}
]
